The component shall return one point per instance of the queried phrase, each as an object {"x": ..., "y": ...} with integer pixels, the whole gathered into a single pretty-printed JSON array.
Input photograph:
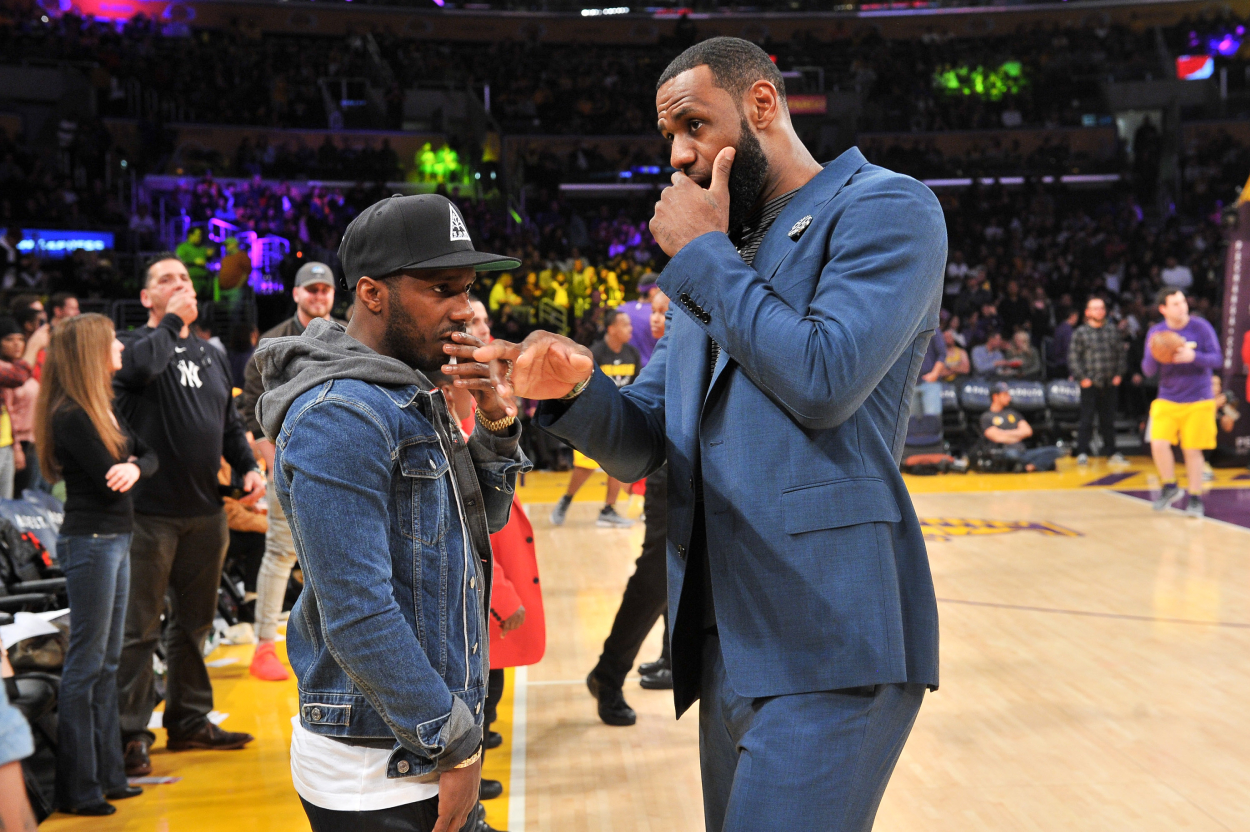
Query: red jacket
[{"x": 515, "y": 584}]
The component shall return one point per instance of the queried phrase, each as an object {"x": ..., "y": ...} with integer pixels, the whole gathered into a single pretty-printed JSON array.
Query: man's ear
[
  {"x": 371, "y": 294},
  {"x": 762, "y": 105},
  {"x": 145, "y": 299}
]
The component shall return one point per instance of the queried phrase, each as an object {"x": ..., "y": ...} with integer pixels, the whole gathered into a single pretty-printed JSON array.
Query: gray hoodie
[{"x": 291, "y": 366}]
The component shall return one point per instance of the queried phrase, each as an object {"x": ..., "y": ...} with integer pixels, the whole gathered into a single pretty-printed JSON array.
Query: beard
[
  {"x": 405, "y": 339},
  {"x": 746, "y": 178}
]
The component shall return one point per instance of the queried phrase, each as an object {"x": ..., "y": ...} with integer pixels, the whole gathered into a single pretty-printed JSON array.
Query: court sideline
[{"x": 1091, "y": 665}]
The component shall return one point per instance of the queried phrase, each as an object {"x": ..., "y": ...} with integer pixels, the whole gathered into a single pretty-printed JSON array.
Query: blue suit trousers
[{"x": 809, "y": 762}]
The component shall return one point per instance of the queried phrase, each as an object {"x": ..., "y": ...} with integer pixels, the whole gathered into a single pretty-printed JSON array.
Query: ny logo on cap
[{"x": 458, "y": 231}]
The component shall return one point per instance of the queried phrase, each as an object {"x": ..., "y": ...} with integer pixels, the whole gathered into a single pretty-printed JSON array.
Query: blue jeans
[
  {"x": 811, "y": 761},
  {"x": 926, "y": 399},
  {"x": 1043, "y": 458},
  {"x": 89, "y": 749}
]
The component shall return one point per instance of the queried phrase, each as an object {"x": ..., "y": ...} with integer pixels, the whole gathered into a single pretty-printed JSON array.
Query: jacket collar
[{"x": 822, "y": 187}]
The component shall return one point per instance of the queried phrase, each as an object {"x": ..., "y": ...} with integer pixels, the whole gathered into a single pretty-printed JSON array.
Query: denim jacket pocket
[{"x": 423, "y": 498}]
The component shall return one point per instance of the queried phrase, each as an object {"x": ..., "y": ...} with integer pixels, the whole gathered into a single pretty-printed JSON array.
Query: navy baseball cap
[
  {"x": 999, "y": 387},
  {"x": 425, "y": 231}
]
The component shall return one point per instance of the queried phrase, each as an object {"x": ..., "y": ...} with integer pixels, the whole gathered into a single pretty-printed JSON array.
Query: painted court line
[
  {"x": 516, "y": 785},
  {"x": 1094, "y": 614}
]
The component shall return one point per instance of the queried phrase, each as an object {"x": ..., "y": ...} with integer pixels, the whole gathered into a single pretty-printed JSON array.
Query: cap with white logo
[
  {"x": 412, "y": 232},
  {"x": 314, "y": 272}
]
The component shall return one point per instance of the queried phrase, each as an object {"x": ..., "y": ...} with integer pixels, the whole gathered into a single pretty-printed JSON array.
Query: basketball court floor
[{"x": 1094, "y": 677}]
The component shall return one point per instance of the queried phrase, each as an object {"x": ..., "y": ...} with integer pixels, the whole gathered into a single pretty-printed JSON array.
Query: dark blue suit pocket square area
[{"x": 836, "y": 504}]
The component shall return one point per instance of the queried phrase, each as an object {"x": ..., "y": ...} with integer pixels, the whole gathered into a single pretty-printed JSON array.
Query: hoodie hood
[{"x": 291, "y": 366}]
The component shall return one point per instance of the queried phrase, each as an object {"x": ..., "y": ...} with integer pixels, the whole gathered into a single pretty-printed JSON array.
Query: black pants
[
  {"x": 494, "y": 693},
  {"x": 646, "y": 594},
  {"x": 411, "y": 817},
  {"x": 1100, "y": 400},
  {"x": 179, "y": 559}
]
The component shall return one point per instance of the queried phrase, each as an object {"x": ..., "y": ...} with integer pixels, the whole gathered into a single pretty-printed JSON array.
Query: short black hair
[
  {"x": 59, "y": 300},
  {"x": 615, "y": 315},
  {"x": 21, "y": 303},
  {"x": 1161, "y": 296},
  {"x": 158, "y": 257},
  {"x": 735, "y": 63},
  {"x": 27, "y": 315}
]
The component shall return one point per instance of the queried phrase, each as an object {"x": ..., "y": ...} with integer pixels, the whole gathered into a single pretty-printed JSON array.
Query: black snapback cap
[{"x": 425, "y": 231}]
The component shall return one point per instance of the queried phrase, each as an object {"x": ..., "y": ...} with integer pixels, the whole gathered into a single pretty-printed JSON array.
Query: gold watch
[{"x": 496, "y": 425}]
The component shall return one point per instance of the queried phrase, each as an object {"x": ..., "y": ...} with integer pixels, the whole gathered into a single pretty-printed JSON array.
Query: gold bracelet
[
  {"x": 496, "y": 425},
  {"x": 477, "y": 755}
]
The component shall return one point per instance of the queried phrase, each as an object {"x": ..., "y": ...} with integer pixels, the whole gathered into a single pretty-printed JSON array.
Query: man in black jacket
[
  {"x": 175, "y": 392},
  {"x": 314, "y": 298}
]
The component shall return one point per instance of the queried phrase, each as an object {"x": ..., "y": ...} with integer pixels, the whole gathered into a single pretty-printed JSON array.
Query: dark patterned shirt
[{"x": 747, "y": 239}]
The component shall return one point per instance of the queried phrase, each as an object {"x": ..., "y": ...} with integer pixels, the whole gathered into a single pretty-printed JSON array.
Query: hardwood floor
[{"x": 1093, "y": 677}]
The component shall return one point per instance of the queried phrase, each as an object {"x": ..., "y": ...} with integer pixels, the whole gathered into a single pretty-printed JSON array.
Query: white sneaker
[
  {"x": 1082, "y": 459},
  {"x": 609, "y": 519},
  {"x": 561, "y": 510},
  {"x": 1117, "y": 459}
]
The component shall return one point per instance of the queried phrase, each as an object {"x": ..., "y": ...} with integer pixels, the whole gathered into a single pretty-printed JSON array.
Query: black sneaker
[
  {"x": 660, "y": 680},
  {"x": 489, "y": 789},
  {"x": 494, "y": 739},
  {"x": 651, "y": 668},
  {"x": 1194, "y": 507},
  {"x": 1167, "y": 496},
  {"x": 613, "y": 709}
]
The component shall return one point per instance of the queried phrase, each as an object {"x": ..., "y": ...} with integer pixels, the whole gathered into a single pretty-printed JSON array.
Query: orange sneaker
[{"x": 267, "y": 666}]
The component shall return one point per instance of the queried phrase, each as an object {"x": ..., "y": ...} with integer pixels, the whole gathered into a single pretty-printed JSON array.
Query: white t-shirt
[{"x": 348, "y": 778}]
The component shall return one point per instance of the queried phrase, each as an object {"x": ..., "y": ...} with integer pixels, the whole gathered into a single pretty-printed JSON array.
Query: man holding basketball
[{"x": 1183, "y": 351}]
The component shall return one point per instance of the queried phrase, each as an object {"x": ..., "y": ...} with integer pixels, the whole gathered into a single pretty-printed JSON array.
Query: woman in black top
[{"x": 82, "y": 441}]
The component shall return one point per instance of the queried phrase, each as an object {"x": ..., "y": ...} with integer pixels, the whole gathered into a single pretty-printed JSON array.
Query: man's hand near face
[
  {"x": 544, "y": 365},
  {"x": 686, "y": 210},
  {"x": 486, "y": 379},
  {"x": 182, "y": 303}
]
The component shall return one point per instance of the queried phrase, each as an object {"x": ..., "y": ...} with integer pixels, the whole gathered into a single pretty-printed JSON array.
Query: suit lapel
[{"x": 777, "y": 245}]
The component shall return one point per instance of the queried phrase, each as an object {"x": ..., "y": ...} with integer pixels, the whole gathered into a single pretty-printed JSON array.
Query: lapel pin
[{"x": 799, "y": 227}]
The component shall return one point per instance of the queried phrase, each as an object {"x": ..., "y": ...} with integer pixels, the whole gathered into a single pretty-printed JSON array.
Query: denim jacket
[{"x": 390, "y": 511}]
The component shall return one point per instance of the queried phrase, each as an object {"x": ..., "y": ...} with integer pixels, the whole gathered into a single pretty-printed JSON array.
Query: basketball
[{"x": 1163, "y": 345}]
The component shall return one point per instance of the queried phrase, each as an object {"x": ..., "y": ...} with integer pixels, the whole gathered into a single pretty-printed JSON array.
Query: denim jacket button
[
  {"x": 477, "y": 709},
  {"x": 472, "y": 583},
  {"x": 315, "y": 714},
  {"x": 475, "y": 647},
  {"x": 402, "y": 767},
  {"x": 432, "y": 465}
]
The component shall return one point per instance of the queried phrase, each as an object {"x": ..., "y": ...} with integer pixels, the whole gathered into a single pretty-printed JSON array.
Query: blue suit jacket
[{"x": 818, "y": 566}]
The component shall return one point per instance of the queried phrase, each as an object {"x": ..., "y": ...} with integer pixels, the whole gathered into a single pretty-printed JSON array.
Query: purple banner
[{"x": 1236, "y": 324}]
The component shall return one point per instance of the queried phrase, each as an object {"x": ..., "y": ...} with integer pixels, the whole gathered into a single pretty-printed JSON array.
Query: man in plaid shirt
[{"x": 1097, "y": 360}]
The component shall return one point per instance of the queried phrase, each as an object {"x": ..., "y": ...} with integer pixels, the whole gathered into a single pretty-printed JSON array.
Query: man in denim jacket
[{"x": 391, "y": 512}]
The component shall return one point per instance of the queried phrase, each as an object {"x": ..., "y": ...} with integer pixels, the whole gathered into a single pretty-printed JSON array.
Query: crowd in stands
[
  {"x": 245, "y": 77},
  {"x": 1024, "y": 262},
  {"x": 63, "y": 189}
]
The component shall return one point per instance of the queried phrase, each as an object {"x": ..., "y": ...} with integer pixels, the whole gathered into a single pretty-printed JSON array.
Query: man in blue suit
[{"x": 803, "y": 611}]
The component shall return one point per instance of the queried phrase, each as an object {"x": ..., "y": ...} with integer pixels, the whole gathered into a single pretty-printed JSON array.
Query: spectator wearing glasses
[
  {"x": 86, "y": 444},
  {"x": 175, "y": 390}
]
